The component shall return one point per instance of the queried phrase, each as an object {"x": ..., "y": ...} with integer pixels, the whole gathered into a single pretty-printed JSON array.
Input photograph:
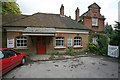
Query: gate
[{"x": 113, "y": 51}]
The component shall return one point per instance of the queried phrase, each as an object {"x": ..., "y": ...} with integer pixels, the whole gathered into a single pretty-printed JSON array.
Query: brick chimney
[
  {"x": 77, "y": 14},
  {"x": 62, "y": 10}
]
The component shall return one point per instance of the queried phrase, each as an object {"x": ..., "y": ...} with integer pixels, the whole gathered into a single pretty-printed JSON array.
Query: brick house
[
  {"x": 93, "y": 18},
  {"x": 42, "y": 32}
]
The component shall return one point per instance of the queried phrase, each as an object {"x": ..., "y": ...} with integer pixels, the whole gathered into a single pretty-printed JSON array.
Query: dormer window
[{"x": 94, "y": 22}]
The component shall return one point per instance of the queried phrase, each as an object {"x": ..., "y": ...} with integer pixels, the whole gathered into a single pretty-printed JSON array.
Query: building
[
  {"x": 93, "y": 18},
  {"x": 119, "y": 11},
  {"x": 42, "y": 32}
]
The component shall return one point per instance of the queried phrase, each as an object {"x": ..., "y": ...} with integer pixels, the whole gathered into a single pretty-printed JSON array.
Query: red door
[{"x": 41, "y": 45}]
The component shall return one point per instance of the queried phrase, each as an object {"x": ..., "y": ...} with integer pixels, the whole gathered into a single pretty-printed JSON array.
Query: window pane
[
  {"x": 18, "y": 44},
  {"x": 25, "y": 41},
  {"x": 94, "y": 21},
  {"x": 18, "y": 41},
  {"x": 25, "y": 44},
  {"x": 21, "y": 41},
  {"x": 21, "y": 44}
]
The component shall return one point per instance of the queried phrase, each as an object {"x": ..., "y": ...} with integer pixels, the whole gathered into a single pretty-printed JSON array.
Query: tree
[
  {"x": 108, "y": 30},
  {"x": 10, "y": 8},
  {"x": 115, "y": 39},
  {"x": 117, "y": 26}
]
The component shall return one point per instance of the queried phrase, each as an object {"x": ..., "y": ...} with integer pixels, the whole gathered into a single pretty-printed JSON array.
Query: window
[
  {"x": 1, "y": 55},
  {"x": 77, "y": 41},
  {"x": 94, "y": 22},
  {"x": 94, "y": 39},
  {"x": 69, "y": 42},
  {"x": 21, "y": 42},
  {"x": 9, "y": 53},
  {"x": 59, "y": 41}
]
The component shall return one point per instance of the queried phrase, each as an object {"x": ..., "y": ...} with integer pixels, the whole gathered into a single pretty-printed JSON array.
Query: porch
[{"x": 40, "y": 40}]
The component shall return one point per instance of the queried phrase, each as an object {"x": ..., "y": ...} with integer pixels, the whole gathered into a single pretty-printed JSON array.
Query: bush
[
  {"x": 94, "y": 48},
  {"x": 103, "y": 51},
  {"x": 69, "y": 51},
  {"x": 52, "y": 52},
  {"x": 103, "y": 44}
]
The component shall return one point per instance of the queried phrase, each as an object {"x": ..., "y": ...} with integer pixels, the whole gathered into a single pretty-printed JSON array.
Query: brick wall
[
  {"x": 50, "y": 41},
  {"x": 66, "y": 36},
  {"x": 94, "y": 13}
]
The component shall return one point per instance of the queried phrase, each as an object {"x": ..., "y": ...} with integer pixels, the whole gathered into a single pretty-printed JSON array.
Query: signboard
[
  {"x": 113, "y": 51},
  {"x": 10, "y": 43},
  {"x": 40, "y": 30},
  {"x": 69, "y": 42}
]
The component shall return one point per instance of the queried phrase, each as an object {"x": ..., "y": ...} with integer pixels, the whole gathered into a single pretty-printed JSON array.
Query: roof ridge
[{"x": 44, "y": 13}]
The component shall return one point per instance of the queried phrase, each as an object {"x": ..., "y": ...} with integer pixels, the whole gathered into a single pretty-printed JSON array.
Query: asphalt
[{"x": 70, "y": 67}]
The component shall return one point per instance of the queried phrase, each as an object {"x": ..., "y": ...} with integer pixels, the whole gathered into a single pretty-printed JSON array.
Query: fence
[{"x": 113, "y": 51}]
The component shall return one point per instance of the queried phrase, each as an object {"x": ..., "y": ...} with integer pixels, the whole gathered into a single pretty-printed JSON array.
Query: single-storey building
[{"x": 42, "y": 32}]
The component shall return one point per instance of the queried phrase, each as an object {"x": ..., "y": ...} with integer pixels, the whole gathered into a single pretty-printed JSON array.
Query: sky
[{"x": 109, "y": 8}]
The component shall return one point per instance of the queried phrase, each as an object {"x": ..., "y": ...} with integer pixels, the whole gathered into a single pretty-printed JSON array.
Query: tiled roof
[
  {"x": 94, "y": 5},
  {"x": 47, "y": 21},
  {"x": 8, "y": 18}
]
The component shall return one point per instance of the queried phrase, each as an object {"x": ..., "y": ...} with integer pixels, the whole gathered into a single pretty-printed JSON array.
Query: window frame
[
  {"x": 77, "y": 42},
  {"x": 22, "y": 43},
  {"x": 94, "y": 21},
  {"x": 61, "y": 44}
]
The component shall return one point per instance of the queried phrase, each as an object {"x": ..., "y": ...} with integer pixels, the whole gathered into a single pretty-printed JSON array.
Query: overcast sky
[{"x": 109, "y": 8}]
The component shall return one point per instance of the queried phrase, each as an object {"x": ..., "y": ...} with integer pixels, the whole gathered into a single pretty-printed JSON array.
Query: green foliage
[
  {"x": 108, "y": 30},
  {"x": 103, "y": 51},
  {"x": 115, "y": 39},
  {"x": 102, "y": 40},
  {"x": 10, "y": 8},
  {"x": 52, "y": 52},
  {"x": 94, "y": 48},
  {"x": 69, "y": 51},
  {"x": 101, "y": 46}
]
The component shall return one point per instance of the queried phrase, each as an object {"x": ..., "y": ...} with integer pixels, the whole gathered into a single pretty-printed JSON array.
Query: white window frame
[
  {"x": 77, "y": 42},
  {"x": 23, "y": 41},
  {"x": 61, "y": 40},
  {"x": 94, "y": 21}
]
